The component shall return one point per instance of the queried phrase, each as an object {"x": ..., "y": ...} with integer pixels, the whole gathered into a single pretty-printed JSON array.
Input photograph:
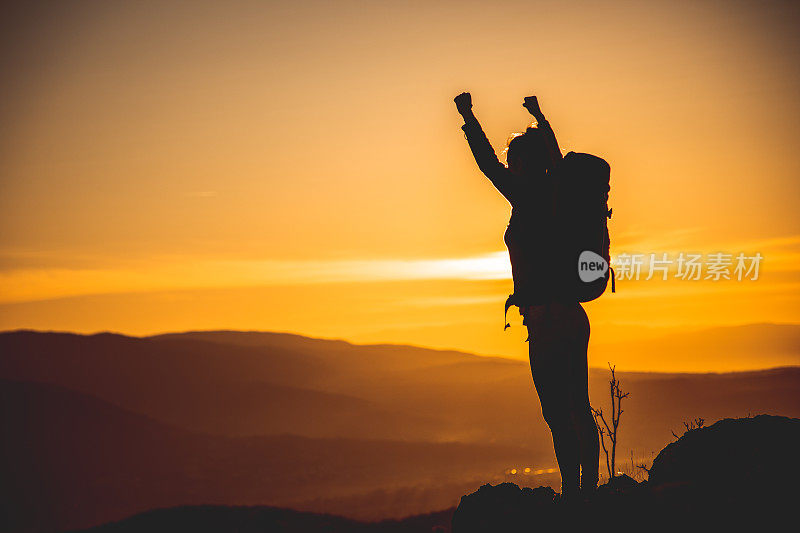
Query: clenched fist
[
  {"x": 463, "y": 103},
  {"x": 532, "y": 105}
]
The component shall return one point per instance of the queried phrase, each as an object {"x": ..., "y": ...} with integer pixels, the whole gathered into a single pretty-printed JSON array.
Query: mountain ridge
[{"x": 780, "y": 340}]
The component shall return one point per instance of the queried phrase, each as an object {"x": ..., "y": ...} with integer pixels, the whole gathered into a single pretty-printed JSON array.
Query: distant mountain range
[
  {"x": 72, "y": 460},
  {"x": 99, "y": 427}
]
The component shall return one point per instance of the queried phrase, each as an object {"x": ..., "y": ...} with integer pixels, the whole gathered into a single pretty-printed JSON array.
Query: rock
[
  {"x": 734, "y": 472},
  {"x": 503, "y": 507},
  {"x": 733, "y": 459},
  {"x": 619, "y": 484}
]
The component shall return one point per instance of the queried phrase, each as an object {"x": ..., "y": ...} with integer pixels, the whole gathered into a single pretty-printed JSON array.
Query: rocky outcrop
[
  {"x": 504, "y": 507},
  {"x": 735, "y": 472},
  {"x": 762, "y": 452}
]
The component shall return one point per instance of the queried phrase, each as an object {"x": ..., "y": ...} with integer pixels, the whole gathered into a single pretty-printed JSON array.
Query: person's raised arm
[
  {"x": 481, "y": 148},
  {"x": 532, "y": 105}
]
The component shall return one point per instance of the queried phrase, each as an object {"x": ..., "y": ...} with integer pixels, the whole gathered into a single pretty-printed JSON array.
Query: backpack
[{"x": 578, "y": 245}]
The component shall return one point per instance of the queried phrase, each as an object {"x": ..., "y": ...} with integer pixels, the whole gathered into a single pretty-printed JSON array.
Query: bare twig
[{"x": 611, "y": 430}]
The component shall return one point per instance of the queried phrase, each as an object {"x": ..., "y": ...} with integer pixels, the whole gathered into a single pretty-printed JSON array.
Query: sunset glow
[{"x": 301, "y": 168}]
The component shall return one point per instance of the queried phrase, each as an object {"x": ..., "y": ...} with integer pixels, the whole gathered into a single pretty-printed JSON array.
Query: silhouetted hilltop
[
  {"x": 728, "y": 474},
  {"x": 215, "y": 519},
  {"x": 763, "y": 451}
]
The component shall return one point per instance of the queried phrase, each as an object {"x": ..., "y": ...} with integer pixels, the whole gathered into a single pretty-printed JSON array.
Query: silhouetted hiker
[{"x": 557, "y": 324}]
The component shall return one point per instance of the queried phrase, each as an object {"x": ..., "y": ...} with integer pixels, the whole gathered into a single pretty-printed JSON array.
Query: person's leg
[
  {"x": 589, "y": 450},
  {"x": 550, "y": 370},
  {"x": 581, "y": 414}
]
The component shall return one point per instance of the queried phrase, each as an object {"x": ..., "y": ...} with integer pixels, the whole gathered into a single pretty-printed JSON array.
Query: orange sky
[{"x": 257, "y": 165}]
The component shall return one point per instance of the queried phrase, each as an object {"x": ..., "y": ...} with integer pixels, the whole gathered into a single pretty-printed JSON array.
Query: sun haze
[{"x": 283, "y": 167}]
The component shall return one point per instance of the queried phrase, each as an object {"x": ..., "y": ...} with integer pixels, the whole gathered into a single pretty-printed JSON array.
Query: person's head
[{"x": 527, "y": 153}]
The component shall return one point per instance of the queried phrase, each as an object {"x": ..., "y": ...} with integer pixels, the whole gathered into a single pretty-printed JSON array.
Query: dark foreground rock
[
  {"x": 733, "y": 473},
  {"x": 504, "y": 507},
  {"x": 763, "y": 451},
  {"x": 264, "y": 519}
]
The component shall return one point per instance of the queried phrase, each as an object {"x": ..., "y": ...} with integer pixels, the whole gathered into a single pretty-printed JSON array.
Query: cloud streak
[
  {"x": 43, "y": 283},
  {"x": 46, "y": 283}
]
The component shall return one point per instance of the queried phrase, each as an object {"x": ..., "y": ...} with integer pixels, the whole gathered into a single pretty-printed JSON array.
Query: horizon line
[{"x": 414, "y": 346}]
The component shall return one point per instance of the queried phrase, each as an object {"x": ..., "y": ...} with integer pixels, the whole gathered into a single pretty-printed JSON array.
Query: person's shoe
[
  {"x": 569, "y": 498},
  {"x": 587, "y": 493}
]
